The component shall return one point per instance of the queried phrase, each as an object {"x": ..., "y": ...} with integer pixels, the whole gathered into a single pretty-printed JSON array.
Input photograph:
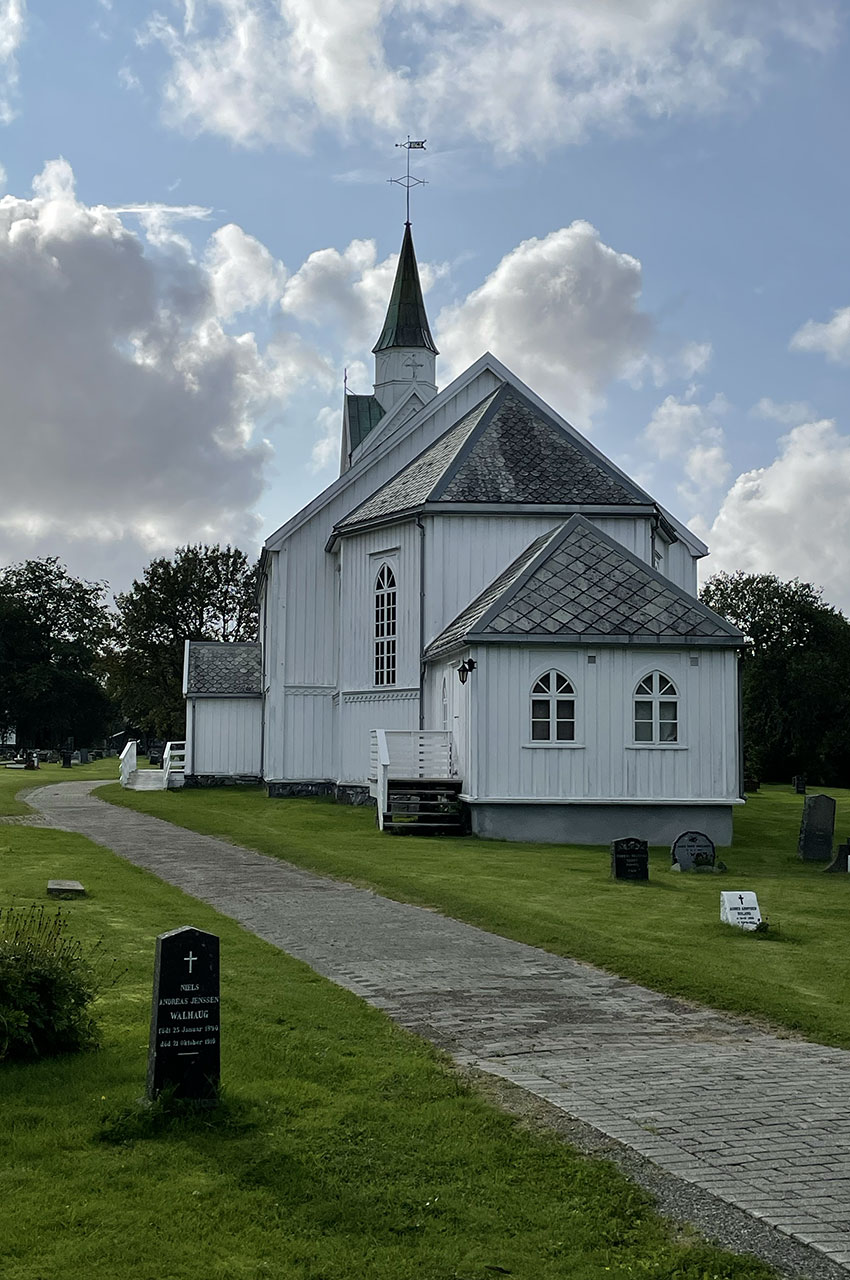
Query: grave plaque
[
  {"x": 816, "y": 829},
  {"x": 692, "y": 851},
  {"x": 799, "y": 781},
  {"x": 629, "y": 859},
  {"x": 741, "y": 909},
  {"x": 184, "y": 1052},
  {"x": 841, "y": 861}
]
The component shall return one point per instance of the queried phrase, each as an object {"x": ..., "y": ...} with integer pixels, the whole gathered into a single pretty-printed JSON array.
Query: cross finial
[{"x": 407, "y": 181}]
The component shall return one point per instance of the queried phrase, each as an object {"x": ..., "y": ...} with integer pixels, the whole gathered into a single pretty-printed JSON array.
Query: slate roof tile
[
  {"x": 641, "y": 605},
  {"x": 505, "y": 450},
  {"x": 224, "y": 668}
]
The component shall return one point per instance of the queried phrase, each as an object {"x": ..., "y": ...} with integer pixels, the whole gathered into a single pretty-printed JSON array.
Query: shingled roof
[
  {"x": 220, "y": 669},
  {"x": 364, "y": 413},
  {"x": 576, "y": 585},
  {"x": 505, "y": 450}
]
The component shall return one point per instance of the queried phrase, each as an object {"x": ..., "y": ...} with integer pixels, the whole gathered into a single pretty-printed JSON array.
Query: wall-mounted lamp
[{"x": 464, "y": 668}]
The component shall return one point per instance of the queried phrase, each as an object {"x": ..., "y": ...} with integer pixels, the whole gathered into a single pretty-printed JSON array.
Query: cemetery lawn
[
  {"x": 15, "y": 780},
  {"x": 665, "y": 934},
  {"x": 348, "y": 1149}
]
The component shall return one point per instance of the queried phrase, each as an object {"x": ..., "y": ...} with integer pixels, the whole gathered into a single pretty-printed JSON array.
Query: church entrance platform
[{"x": 743, "y": 1133}]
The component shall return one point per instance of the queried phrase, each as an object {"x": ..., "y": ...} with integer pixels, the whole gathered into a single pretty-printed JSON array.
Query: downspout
[{"x": 421, "y": 529}]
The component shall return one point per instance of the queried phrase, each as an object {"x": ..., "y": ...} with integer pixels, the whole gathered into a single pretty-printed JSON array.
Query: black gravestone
[
  {"x": 630, "y": 859},
  {"x": 184, "y": 1053},
  {"x": 816, "y": 829},
  {"x": 841, "y": 859},
  {"x": 692, "y": 851},
  {"x": 751, "y": 783},
  {"x": 799, "y": 782}
]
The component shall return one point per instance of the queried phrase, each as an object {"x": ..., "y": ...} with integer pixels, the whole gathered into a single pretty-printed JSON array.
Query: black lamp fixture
[{"x": 464, "y": 668}]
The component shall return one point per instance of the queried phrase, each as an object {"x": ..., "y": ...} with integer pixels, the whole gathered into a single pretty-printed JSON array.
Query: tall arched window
[
  {"x": 385, "y": 626},
  {"x": 553, "y": 709},
  {"x": 444, "y": 706},
  {"x": 656, "y": 709}
]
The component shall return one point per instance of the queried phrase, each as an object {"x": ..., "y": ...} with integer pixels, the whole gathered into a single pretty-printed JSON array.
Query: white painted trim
[
  {"x": 552, "y": 746},
  {"x": 657, "y": 746}
]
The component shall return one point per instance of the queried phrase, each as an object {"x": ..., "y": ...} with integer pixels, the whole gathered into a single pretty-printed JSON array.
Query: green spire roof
[{"x": 406, "y": 324}]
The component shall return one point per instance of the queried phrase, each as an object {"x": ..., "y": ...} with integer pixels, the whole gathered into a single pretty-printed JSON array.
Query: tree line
[{"x": 74, "y": 665}]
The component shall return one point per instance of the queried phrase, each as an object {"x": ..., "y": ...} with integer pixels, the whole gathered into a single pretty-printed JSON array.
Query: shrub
[{"x": 47, "y": 983}]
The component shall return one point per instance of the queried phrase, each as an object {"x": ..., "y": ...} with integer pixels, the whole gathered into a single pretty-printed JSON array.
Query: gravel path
[{"x": 741, "y": 1132}]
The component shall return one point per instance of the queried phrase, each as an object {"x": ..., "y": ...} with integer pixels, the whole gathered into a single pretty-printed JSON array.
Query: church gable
[
  {"x": 522, "y": 455},
  {"x": 578, "y": 586}
]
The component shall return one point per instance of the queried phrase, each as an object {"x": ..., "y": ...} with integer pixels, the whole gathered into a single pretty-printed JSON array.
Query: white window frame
[
  {"x": 657, "y": 693},
  {"x": 553, "y": 694},
  {"x": 385, "y": 626}
]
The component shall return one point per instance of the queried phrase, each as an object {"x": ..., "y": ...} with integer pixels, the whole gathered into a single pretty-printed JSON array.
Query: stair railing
[
  {"x": 173, "y": 760},
  {"x": 127, "y": 762},
  {"x": 381, "y": 757}
]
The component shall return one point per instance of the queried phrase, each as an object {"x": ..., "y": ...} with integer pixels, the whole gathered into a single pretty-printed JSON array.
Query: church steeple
[
  {"x": 405, "y": 352},
  {"x": 406, "y": 324}
]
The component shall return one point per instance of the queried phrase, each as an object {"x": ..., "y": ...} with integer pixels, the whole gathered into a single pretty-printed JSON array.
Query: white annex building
[{"x": 481, "y": 606}]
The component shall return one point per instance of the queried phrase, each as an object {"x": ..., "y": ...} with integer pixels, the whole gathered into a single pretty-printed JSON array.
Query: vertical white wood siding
[
  {"x": 225, "y": 736},
  {"x": 604, "y": 764}
]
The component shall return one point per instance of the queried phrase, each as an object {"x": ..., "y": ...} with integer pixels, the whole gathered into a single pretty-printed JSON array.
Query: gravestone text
[
  {"x": 693, "y": 850},
  {"x": 630, "y": 859},
  {"x": 184, "y": 1051}
]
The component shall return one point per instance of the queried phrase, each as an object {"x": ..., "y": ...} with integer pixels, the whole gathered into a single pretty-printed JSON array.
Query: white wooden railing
[
  {"x": 127, "y": 761},
  {"x": 407, "y": 754},
  {"x": 174, "y": 763}
]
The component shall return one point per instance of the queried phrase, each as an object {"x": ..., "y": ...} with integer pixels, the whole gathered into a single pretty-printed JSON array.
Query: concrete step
[{"x": 147, "y": 780}]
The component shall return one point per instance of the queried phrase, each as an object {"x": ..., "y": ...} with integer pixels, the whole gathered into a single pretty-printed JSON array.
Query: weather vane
[{"x": 407, "y": 181}]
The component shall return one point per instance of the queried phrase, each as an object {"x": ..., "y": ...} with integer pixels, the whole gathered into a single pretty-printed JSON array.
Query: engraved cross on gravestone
[{"x": 184, "y": 1052}]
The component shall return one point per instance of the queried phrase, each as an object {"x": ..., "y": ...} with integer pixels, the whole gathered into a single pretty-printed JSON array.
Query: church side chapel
[{"x": 483, "y": 616}]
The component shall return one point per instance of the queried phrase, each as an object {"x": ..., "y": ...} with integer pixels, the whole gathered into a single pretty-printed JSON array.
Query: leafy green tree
[
  {"x": 55, "y": 631},
  {"x": 796, "y": 676},
  {"x": 201, "y": 593}
]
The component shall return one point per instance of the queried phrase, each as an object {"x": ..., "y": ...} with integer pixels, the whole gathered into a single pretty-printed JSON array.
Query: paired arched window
[
  {"x": 656, "y": 709},
  {"x": 385, "y": 626},
  {"x": 553, "y": 709}
]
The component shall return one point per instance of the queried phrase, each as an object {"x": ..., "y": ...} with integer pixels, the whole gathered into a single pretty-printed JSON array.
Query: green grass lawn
[
  {"x": 666, "y": 933},
  {"x": 354, "y": 1152},
  {"x": 15, "y": 780}
]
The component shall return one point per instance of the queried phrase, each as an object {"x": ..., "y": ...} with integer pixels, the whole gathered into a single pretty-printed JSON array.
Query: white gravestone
[{"x": 741, "y": 909}]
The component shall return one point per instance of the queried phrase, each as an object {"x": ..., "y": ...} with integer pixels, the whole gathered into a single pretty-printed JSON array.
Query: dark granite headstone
[
  {"x": 799, "y": 783},
  {"x": 66, "y": 759},
  {"x": 630, "y": 859},
  {"x": 841, "y": 861},
  {"x": 184, "y": 1052},
  {"x": 751, "y": 783},
  {"x": 816, "y": 829},
  {"x": 692, "y": 851}
]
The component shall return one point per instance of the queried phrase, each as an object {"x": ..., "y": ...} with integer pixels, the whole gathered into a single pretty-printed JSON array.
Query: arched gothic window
[
  {"x": 385, "y": 626},
  {"x": 444, "y": 706},
  {"x": 553, "y": 709},
  {"x": 656, "y": 709}
]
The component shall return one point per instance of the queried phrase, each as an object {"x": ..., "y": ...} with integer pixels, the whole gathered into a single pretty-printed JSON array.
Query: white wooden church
[{"x": 481, "y": 607}]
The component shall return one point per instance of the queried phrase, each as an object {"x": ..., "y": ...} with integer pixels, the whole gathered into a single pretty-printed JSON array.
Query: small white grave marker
[{"x": 741, "y": 909}]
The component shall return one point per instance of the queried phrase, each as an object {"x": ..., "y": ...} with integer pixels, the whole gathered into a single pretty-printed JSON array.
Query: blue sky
[{"x": 638, "y": 205}]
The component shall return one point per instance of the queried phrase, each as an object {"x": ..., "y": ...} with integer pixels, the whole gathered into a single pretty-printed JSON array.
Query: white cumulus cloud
[
  {"x": 765, "y": 523},
  {"x": 832, "y": 338},
  {"x": 561, "y": 311},
  {"x": 128, "y": 409},
  {"x": 692, "y": 435},
  {"x": 519, "y": 76},
  {"x": 12, "y": 27}
]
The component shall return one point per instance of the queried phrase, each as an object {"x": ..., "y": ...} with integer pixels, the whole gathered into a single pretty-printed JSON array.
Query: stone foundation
[
  {"x": 197, "y": 780},
  {"x": 342, "y": 792},
  {"x": 600, "y": 823}
]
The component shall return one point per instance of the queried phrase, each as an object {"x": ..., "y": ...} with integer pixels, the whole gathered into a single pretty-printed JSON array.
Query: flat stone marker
[
  {"x": 741, "y": 909},
  {"x": 65, "y": 889},
  {"x": 816, "y": 829},
  {"x": 692, "y": 850},
  {"x": 630, "y": 859},
  {"x": 185, "y": 1042}
]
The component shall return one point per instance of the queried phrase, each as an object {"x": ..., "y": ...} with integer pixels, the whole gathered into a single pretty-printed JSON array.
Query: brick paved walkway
[{"x": 760, "y": 1122}]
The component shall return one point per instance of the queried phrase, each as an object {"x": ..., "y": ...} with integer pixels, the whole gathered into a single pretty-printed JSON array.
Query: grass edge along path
[
  {"x": 352, "y": 1149},
  {"x": 665, "y": 934}
]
